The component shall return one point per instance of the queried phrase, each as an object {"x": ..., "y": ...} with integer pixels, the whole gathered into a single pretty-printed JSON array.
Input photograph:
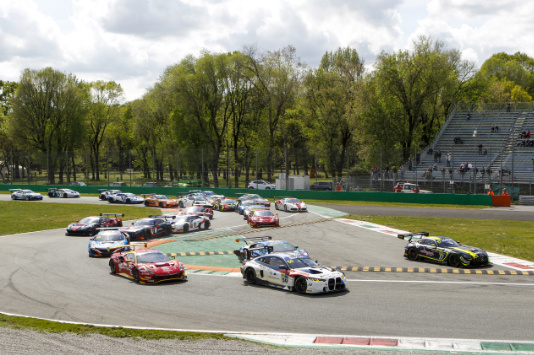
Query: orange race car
[{"x": 161, "y": 201}]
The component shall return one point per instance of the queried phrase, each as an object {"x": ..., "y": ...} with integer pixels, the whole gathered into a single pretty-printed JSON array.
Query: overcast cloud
[{"x": 133, "y": 41}]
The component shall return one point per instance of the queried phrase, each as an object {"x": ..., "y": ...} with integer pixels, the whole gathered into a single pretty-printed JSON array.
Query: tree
[
  {"x": 331, "y": 93},
  {"x": 412, "y": 92},
  {"x": 48, "y": 112},
  {"x": 104, "y": 110}
]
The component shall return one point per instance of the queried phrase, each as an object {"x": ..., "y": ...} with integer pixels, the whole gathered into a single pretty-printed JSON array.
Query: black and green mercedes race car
[{"x": 442, "y": 250}]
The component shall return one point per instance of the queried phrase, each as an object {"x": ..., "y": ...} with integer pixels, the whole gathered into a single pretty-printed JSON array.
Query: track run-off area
[{"x": 49, "y": 275}]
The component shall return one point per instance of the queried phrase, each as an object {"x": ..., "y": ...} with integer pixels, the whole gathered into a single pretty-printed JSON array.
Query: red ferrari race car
[
  {"x": 197, "y": 211},
  {"x": 261, "y": 218},
  {"x": 147, "y": 266}
]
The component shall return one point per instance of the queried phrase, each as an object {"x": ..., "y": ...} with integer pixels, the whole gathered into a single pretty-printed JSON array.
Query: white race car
[
  {"x": 189, "y": 223},
  {"x": 296, "y": 272},
  {"x": 23, "y": 194},
  {"x": 290, "y": 204},
  {"x": 125, "y": 197}
]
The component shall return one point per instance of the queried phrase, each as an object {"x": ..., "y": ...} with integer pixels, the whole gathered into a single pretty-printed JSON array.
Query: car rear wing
[
  {"x": 411, "y": 236},
  {"x": 138, "y": 245},
  {"x": 113, "y": 214},
  {"x": 248, "y": 240},
  {"x": 15, "y": 190},
  {"x": 164, "y": 216},
  {"x": 281, "y": 197}
]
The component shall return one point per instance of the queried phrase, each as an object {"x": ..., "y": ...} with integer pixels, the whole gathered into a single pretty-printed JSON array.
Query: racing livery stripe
[{"x": 432, "y": 270}]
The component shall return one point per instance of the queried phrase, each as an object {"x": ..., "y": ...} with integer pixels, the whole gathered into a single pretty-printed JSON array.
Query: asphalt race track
[{"x": 47, "y": 274}]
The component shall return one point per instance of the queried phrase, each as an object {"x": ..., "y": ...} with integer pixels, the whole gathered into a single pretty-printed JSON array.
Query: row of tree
[{"x": 245, "y": 100}]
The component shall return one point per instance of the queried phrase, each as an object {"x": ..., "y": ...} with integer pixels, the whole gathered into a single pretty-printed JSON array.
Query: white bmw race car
[
  {"x": 290, "y": 204},
  {"x": 296, "y": 272}
]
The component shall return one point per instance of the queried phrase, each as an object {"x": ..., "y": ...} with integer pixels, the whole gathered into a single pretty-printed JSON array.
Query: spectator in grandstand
[
  {"x": 449, "y": 159},
  {"x": 402, "y": 172},
  {"x": 439, "y": 156},
  {"x": 480, "y": 146},
  {"x": 468, "y": 116},
  {"x": 417, "y": 158},
  {"x": 508, "y": 107},
  {"x": 532, "y": 164},
  {"x": 492, "y": 129}
]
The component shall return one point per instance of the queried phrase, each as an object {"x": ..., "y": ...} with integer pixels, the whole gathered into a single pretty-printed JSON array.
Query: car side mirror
[
  {"x": 121, "y": 259},
  {"x": 92, "y": 239},
  {"x": 296, "y": 246}
]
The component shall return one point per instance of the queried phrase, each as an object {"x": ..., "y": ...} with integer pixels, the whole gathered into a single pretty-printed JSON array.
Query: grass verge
[
  {"x": 46, "y": 326},
  {"x": 31, "y": 216},
  {"x": 510, "y": 238}
]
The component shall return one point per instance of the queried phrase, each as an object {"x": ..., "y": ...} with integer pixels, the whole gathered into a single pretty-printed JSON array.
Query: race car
[
  {"x": 161, "y": 201},
  {"x": 148, "y": 228},
  {"x": 407, "y": 187},
  {"x": 105, "y": 194},
  {"x": 259, "y": 218},
  {"x": 126, "y": 197},
  {"x": 24, "y": 194},
  {"x": 107, "y": 242},
  {"x": 224, "y": 204},
  {"x": 294, "y": 272},
  {"x": 442, "y": 250},
  {"x": 257, "y": 246},
  {"x": 290, "y": 204},
  {"x": 147, "y": 266},
  {"x": 54, "y": 192},
  {"x": 247, "y": 211},
  {"x": 197, "y": 211},
  {"x": 189, "y": 223},
  {"x": 89, "y": 225},
  {"x": 244, "y": 204},
  {"x": 246, "y": 197}
]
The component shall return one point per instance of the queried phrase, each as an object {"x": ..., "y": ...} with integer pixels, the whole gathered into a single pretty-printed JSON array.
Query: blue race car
[
  {"x": 107, "y": 242},
  {"x": 23, "y": 194},
  {"x": 257, "y": 246}
]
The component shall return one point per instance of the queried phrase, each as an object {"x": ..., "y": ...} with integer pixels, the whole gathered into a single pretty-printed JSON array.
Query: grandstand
[{"x": 470, "y": 136}]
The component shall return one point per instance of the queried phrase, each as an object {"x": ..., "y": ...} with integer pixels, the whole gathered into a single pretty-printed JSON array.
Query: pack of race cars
[{"x": 263, "y": 260}]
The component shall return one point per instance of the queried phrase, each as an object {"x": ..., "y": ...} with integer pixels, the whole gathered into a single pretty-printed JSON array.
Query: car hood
[
  {"x": 109, "y": 244},
  {"x": 468, "y": 249},
  {"x": 319, "y": 271},
  {"x": 134, "y": 229},
  {"x": 79, "y": 225}
]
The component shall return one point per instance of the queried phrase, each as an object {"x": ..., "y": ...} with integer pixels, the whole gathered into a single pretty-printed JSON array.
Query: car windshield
[
  {"x": 447, "y": 243},
  {"x": 110, "y": 236},
  {"x": 151, "y": 258},
  {"x": 283, "y": 247},
  {"x": 129, "y": 195},
  {"x": 27, "y": 191},
  {"x": 144, "y": 222},
  {"x": 89, "y": 220},
  {"x": 293, "y": 200},
  {"x": 193, "y": 209},
  {"x": 301, "y": 262},
  {"x": 161, "y": 197},
  {"x": 228, "y": 201},
  {"x": 263, "y": 214},
  {"x": 182, "y": 219}
]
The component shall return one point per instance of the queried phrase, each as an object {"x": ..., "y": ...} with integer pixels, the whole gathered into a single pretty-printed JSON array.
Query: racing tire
[
  {"x": 250, "y": 276},
  {"x": 285, "y": 208},
  {"x": 181, "y": 204},
  {"x": 275, "y": 206},
  {"x": 168, "y": 233},
  {"x": 186, "y": 228},
  {"x": 147, "y": 235},
  {"x": 27, "y": 198},
  {"x": 207, "y": 225},
  {"x": 119, "y": 224},
  {"x": 161, "y": 204},
  {"x": 112, "y": 267},
  {"x": 146, "y": 203},
  {"x": 65, "y": 196},
  {"x": 135, "y": 274},
  {"x": 12, "y": 197},
  {"x": 454, "y": 260},
  {"x": 128, "y": 200},
  {"x": 412, "y": 254},
  {"x": 300, "y": 285}
]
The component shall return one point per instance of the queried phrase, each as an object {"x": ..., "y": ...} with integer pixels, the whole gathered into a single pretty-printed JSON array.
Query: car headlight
[{"x": 316, "y": 279}]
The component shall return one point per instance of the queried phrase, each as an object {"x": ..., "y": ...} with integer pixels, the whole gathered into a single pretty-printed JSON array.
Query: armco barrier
[{"x": 453, "y": 199}]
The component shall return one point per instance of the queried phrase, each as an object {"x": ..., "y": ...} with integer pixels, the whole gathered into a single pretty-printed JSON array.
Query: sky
[{"x": 132, "y": 42}]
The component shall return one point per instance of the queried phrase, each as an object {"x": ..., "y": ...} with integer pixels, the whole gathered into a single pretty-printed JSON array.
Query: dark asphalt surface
[{"x": 513, "y": 213}]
